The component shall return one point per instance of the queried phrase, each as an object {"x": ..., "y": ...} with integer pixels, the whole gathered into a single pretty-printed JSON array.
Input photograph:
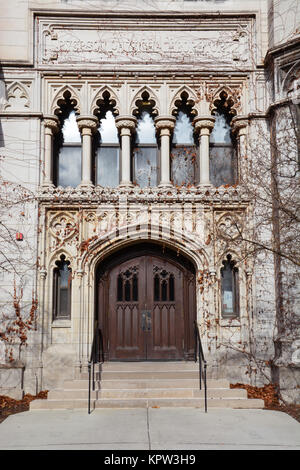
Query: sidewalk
[{"x": 150, "y": 429}]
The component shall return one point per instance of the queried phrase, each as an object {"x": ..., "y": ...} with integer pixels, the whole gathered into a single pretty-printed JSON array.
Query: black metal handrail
[
  {"x": 200, "y": 357},
  {"x": 96, "y": 357}
]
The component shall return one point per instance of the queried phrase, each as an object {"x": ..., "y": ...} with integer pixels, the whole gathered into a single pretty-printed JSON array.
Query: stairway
[{"x": 146, "y": 384}]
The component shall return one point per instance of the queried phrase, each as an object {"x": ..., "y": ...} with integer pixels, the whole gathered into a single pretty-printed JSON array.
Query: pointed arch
[
  {"x": 106, "y": 96},
  {"x": 230, "y": 99},
  {"x": 67, "y": 92},
  {"x": 184, "y": 95},
  {"x": 57, "y": 255},
  {"x": 152, "y": 101},
  {"x": 17, "y": 96}
]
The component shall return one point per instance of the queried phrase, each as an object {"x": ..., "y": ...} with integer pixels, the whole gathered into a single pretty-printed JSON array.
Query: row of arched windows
[
  {"x": 127, "y": 289},
  {"x": 145, "y": 149}
]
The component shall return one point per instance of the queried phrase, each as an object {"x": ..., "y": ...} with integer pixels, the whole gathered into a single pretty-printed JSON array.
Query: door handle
[{"x": 146, "y": 320}]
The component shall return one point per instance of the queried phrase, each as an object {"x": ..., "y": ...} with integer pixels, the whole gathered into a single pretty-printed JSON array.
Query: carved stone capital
[
  {"x": 239, "y": 125},
  {"x": 164, "y": 122},
  {"x": 87, "y": 122},
  {"x": 127, "y": 122},
  {"x": 51, "y": 123},
  {"x": 204, "y": 123}
]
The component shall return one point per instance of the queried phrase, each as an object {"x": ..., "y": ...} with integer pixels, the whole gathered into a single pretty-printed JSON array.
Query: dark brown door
[{"x": 146, "y": 303}]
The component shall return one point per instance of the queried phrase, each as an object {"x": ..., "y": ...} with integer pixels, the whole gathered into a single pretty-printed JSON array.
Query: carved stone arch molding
[
  {"x": 103, "y": 246},
  {"x": 230, "y": 96},
  {"x": 107, "y": 97},
  {"x": 184, "y": 95},
  {"x": 17, "y": 97},
  {"x": 67, "y": 92},
  {"x": 145, "y": 97}
]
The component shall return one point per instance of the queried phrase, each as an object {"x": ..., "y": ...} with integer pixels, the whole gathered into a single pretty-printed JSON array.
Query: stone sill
[
  {"x": 13, "y": 365},
  {"x": 61, "y": 324},
  {"x": 230, "y": 322}
]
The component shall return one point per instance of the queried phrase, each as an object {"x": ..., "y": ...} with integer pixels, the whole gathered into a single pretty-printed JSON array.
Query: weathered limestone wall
[{"x": 225, "y": 53}]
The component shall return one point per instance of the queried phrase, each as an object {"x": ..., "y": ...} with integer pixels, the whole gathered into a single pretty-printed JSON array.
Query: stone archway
[{"x": 145, "y": 304}]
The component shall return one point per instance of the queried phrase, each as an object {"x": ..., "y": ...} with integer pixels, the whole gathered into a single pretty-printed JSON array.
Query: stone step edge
[
  {"x": 149, "y": 402},
  {"x": 148, "y": 389}
]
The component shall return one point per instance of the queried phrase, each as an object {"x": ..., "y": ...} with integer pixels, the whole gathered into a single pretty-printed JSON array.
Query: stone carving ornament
[
  {"x": 63, "y": 226},
  {"x": 229, "y": 226}
]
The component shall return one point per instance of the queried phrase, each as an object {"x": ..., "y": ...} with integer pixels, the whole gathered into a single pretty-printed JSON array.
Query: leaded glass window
[
  {"x": 229, "y": 288},
  {"x": 62, "y": 282}
]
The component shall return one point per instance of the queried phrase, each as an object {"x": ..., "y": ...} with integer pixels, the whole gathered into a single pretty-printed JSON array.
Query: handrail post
[
  {"x": 97, "y": 353},
  {"x": 89, "y": 398},
  {"x": 205, "y": 388},
  {"x": 199, "y": 350}
]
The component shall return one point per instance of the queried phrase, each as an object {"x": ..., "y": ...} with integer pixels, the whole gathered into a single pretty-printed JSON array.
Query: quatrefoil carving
[{"x": 63, "y": 227}]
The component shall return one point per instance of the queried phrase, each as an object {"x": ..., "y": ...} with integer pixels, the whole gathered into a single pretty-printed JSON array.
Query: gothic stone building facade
[{"x": 132, "y": 137}]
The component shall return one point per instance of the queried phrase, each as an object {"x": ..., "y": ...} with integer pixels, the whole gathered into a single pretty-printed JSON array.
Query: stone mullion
[
  {"x": 240, "y": 128},
  {"x": 165, "y": 126},
  {"x": 126, "y": 126},
  {"x": 51, "y": 125},
  {"x": 87, "y": 126},
  {"x": 204, "y": 126}
]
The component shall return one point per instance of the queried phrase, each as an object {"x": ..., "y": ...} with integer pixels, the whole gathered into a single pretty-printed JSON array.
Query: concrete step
[
  {"x": 147, "y": 393},
  {"x": 144, "y": 383},
  {"x": 233, "y": 403},
  {"x": 142, "y": 374},
  {"x": 148, "y": 366},
  {"x": 148, "y": 384}
]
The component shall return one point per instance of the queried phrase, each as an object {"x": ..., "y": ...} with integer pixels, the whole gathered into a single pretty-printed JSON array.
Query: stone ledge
[{"x": 231, "y": 194}]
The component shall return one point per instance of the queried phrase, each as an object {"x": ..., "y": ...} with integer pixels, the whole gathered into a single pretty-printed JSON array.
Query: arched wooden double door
[{"x": 146, "y": 308}]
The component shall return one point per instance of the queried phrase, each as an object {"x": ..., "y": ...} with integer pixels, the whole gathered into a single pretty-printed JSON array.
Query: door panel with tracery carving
[{"x": 148, "y": 310}]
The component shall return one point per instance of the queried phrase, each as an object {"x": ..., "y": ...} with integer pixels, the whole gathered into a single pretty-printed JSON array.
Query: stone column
[
  {"x": 126, "y": 125},
  {"x": 239, "y": 128},
  {"x": 164, "y": 126},
  {"x": 87, "y": 125},
  {"x": 204, "y": 125},
  {"x": 51, "y": 124}
]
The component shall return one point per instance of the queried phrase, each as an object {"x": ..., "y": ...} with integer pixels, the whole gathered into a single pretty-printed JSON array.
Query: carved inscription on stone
[{"x": 68, "y": 43}]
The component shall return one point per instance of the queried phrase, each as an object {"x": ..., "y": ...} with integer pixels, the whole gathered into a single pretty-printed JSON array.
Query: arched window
[
  {"x": 67, "y": 147},
  {"x": 222, "y": 145},
  {"x": 62, "y": 283},
  {"x": 145, "y": 153},
  {"x": 184, "y": 151},
  {"x": 106, "y": 144},
  {"x": 229, "y": 288}
]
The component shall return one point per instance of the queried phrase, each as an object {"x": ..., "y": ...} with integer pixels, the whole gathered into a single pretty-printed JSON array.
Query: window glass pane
[
  {"x": 69, "y": 166},
  {"x": 183, "y": 165},
  {"x": 135, "y": 288},
  {"x": 127, "y": 291},
  {"x": 145, "y": 133},
  {"x": 164, "y": 290},
  {"x": 183, "y": 131},
  {"x": 145, "y": 166},
  {"x": 221, "y": 131},
  {"x": 156, "y": 288},
  {"x": 120, "y": 289},
  {"x": 221, "y": 165},
  {"x": 227, "y": 290},
  {"x": 171, "y": 288},
  {"x": 62, "y": 292},
  {"x": 108, "y": 130},
  {"x": 108, "y": 166},
  {"x": 70, "y": 129}
]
